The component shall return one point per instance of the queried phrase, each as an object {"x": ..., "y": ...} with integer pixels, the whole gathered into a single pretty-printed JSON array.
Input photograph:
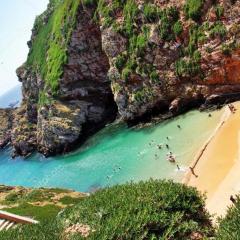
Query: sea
[{"x": 117, "y": 154}]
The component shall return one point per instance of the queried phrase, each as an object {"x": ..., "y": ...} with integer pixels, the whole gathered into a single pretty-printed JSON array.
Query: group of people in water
[
  {"x": 170, "y": 156},
  {"x": 116, "y": 169}
]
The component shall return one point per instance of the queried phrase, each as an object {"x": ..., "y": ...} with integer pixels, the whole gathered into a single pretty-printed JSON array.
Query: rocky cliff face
[
  {"x": 179, "y": 62},
  {"x": 91, "y": 61},
  {"x": 5, "y": 127}
]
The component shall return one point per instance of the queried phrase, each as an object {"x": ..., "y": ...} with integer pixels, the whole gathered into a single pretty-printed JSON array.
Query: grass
[
  {"x": 48, "y": 53},
  {"x": 13, "y": 197},
  {"x": 67, "y": 200},
  {"x": 38, "y": 195},
  {"x": 41, "y": 213}
]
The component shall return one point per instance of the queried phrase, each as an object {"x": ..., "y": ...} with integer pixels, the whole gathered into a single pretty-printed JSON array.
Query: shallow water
[{"x": 116, "y": 154}]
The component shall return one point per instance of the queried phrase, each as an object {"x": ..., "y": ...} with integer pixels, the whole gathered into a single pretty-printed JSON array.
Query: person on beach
[
  {"x": 209, "y": 115},
  {"x": 167, "y": 146},
  {"x": 167, "y": 138},
  {"x": 179, "y": 126},
  {"x": 178, "y": 167},
  {"x": 233, "y": 200},
  {"x": 192, "y": 171},
  {"x": 232, "y": 108}
]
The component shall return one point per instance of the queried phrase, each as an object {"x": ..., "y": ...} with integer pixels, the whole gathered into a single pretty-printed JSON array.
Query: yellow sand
[{"x": 218, "y": 164}]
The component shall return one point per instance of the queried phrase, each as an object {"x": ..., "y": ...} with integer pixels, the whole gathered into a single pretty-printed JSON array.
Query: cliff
[{"x": 92, "y": 61}]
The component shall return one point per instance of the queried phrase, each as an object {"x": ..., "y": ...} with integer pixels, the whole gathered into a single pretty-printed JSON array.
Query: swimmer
[
  {"x": 159, "y": 146},
  {"x": 171, "y": 159}
]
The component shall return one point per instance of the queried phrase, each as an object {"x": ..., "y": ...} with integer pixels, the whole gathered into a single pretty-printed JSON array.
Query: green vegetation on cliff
[
  {"x": 41, "y": 204},
  {"x": 193, "y": 9},
  {"x": 51, "y": 35},
  {"x": 147, "y": 210}
]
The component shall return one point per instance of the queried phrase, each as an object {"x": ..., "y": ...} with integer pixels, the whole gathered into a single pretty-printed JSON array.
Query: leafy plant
[
  {"x": 229, "y": 226},
  {"x": 218, "y": 30},
  {"x": 147, "y": 210},
  {"x": 193, "y": 8},
  {"x": 219, "y": 11},
  {"x": 177, "y": 28},
  {"x": 151, "y": 12}
]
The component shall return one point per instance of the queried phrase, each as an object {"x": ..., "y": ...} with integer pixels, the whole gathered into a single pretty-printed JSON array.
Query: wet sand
[{"x": 217, "y": 164}]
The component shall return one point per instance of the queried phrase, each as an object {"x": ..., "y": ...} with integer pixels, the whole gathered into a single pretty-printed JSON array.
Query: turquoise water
[{"x": 116, "y": 154}]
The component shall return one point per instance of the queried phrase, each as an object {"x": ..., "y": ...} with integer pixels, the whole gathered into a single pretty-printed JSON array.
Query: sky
[{"x": 16, "y": 21}]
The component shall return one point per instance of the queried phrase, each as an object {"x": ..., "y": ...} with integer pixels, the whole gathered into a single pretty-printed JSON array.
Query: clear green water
[{"x": 116, "y": 154}]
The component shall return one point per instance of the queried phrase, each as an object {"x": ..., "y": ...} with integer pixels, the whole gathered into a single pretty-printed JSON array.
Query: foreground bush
[
  {"x": 147, "y": 210},
  {"x": 229, "y": 227}
]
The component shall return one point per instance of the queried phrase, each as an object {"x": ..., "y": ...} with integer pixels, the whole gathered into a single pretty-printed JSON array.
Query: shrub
[
  {"x": 169, "y": 17},
  {"x": 218, "y": 30},
  {"x": 165, "y": 29},
  {"x": 197, "y": 56},
  {"x": 89, "y": 3},
  {"x": 190, "y": 67},
  {"x": 67, "y": 200},
  {"x": 173, "y": 13},
  {"x": 219, "y": 11},
  {"x": 147, "y": 210},
  {"x": 144, "y": 95},
  {"x": 126, "y": 73},
  {"x": 226, "y": 50},
  {"x": 193, "y": 8},
  {"x": 177, "y": 28},
  {"x": 120, "y": 61},
  {"x": 150, "y": 12},
  {"x": 154, "y": 76},
  {"x": 46, "y": 230},
  {"x": 14, "y": 197},
  {"x": 229, "y": 226},
  {"x": 130, "y": 11}
]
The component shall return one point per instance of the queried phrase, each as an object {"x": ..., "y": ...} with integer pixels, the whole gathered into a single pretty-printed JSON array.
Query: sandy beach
[{"x": 217, "y": 165}]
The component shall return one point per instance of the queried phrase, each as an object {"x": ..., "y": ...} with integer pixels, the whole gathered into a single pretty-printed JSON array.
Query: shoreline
[
  {"x": 226, "y": 114},
  {"x": 215, "y": 168}
]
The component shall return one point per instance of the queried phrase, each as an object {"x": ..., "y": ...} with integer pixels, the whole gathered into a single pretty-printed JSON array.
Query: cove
[{"x": 116, "y": 154}]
